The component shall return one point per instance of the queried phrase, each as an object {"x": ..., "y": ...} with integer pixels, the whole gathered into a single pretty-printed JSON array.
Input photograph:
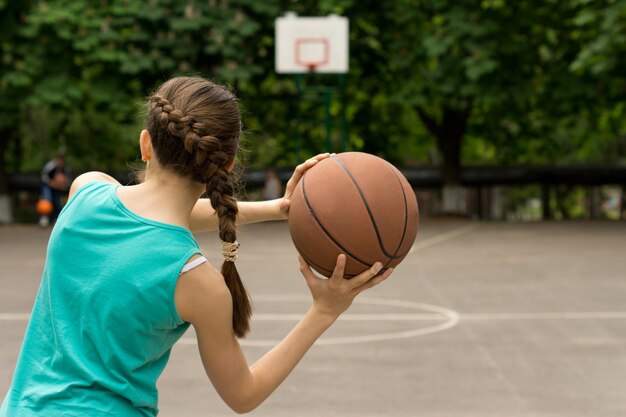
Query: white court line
[
  {"x": 581, "y": 315},
  {"x": 444, "y": 319},
  {"x": 14, "y": 316},
  {"x": 571, "y": 315},
  {"x": 353, "y": 317},
  {"x": 442, "y": 237}
]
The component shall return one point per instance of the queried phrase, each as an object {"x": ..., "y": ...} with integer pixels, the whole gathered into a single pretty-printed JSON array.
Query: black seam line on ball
[
  {"x": 369, "y": 211},
  {"x": 308, "y": 205},
  {"x": 406, "y": 213},
  {"x": 309, "y": 261},
  {"x": 406, "y": 221},
  {"x": 314, "y": 265}
]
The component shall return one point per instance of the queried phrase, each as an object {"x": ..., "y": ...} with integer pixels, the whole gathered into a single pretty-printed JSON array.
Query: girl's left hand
[{"x": 295, "y": 178}]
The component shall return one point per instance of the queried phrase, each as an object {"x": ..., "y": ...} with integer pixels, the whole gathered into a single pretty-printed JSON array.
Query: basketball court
[{"x": 481, "y": 319}]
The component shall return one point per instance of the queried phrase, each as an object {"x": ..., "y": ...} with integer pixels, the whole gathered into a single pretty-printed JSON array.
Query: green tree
[
  {"x": 601, "y": 34},
  {"x": 90, "y": 63},
  {"x": 454, "y": 60},
  {"x": 15, "y": 78},
  {"x": 484, "y": 81}
]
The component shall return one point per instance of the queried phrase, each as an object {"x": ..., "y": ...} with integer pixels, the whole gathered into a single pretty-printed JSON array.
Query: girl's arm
[
  {"x": 203, "y": 299},
  {"x": 203, "y": 216}
]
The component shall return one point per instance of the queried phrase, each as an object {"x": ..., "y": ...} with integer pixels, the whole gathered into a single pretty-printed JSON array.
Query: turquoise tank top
[{"x": 104, "y": 320}]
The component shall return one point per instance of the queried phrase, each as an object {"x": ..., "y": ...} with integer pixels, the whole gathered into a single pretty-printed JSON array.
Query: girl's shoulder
[
  {"x": 89, "y": 177},
  {"x": 202, "y": 295}
]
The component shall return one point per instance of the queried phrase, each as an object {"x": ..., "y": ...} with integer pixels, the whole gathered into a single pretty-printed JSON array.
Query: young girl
[{"x": 124, "y": 276}]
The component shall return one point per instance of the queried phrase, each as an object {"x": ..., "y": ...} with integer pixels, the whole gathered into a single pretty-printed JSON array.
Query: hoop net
[{"x": 312, "y": 53}]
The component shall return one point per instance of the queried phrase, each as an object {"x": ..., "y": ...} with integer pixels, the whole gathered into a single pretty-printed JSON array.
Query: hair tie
[{"x": 229, "y": 251}]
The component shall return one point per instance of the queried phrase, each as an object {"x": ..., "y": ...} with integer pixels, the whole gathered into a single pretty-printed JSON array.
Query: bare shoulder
[
  {"x": 202, "y": 294},
  {"x": 88, "y": 177}
]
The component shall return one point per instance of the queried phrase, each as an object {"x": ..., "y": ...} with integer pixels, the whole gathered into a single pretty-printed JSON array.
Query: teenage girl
[{"x": 124, "y": 276}]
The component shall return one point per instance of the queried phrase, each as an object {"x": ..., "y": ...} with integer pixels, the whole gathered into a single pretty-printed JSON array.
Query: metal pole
[
  {"x": 328, "y": 119},
  {"x": 479, "y": 203},
  {"x": 343, "y": 123},
  {"x": 545, "y": 202},
  {"x": 299, "y": 119}
]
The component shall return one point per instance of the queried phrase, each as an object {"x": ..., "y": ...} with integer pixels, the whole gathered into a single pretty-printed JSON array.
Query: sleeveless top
[{"x": 104, "y": 320}]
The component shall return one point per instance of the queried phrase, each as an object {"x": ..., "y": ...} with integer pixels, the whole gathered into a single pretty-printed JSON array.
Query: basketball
[
  {"x": 356, "y": 204},
  {"x": 44, "y": 207}
]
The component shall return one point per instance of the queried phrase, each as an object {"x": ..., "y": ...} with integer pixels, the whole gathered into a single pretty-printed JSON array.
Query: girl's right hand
[
  {"x": 334, "y": 295},
  {"x": 293, "y": 181}
]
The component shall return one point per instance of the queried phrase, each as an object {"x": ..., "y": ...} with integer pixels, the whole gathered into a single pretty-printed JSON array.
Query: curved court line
[
  {"x": 442, "y": 237},
  {"x": 354, "y": 317},
  {"x": 437, "y": 313},
  {"x": 570, "y": 315}
]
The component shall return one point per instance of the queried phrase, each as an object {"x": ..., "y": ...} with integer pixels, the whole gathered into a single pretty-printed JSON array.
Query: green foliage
[
  {"x": 525, "y": 71},
  {"x": 521, "y": 82},
  {"x": 601, "y": 33},
  {"x": 90, "y": 64}
]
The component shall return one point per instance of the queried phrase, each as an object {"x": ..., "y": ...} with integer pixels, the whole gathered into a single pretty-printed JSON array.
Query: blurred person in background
[
  {"x": 273, "y": 188},
  {"x": 54, "y": 182}
]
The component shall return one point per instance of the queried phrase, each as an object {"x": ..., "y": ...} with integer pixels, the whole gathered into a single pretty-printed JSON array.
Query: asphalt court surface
[{"x": 481, "y": 319}]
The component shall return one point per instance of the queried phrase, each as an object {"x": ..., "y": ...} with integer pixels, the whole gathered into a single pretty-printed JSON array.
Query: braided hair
[{"x": 195, "y": 127}]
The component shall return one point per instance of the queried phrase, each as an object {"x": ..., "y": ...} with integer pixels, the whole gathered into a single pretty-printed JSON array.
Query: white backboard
[{"x": 306, "y": 44}]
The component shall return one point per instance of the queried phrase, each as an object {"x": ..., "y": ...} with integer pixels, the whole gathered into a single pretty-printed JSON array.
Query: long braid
[
  {"x": 220, "y": 192},
  {"x": 206, "y": 161}
]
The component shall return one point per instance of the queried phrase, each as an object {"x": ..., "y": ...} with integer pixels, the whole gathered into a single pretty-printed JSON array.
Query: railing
[{"x": 478, "y": 181}]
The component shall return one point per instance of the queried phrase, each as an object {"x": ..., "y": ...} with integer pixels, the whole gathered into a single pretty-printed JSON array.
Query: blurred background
[{"x": 493, "y": 109}]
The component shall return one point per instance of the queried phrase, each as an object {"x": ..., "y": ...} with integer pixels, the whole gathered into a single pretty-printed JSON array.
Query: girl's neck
[{"x": 163, "y": 197}]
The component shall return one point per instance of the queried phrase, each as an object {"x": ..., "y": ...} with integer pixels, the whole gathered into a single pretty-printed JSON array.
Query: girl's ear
[
  {"x": 230, "y": 165},
  {"x": 145, "y": 145}
]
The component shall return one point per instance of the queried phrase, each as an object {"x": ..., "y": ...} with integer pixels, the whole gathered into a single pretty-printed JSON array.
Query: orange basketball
[
  {"x": 44, "y": 207},
  {"x": 356, "y": 204}
]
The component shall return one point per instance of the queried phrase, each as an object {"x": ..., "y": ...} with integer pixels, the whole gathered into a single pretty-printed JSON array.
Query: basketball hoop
[
  {"x": 311, "y": 44},
  {"x": 311, "y": 53},
  {"x": 317, "y": 46}
]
